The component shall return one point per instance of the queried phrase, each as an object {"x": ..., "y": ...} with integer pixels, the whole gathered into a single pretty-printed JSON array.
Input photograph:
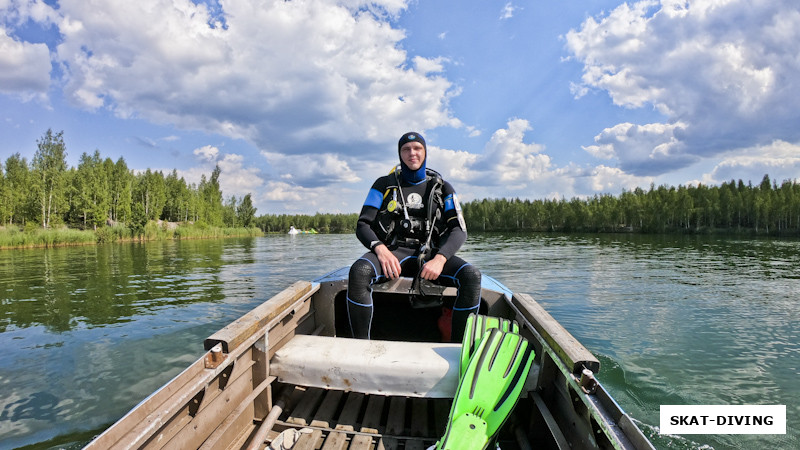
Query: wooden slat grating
[{"x": 355, "y": 421}]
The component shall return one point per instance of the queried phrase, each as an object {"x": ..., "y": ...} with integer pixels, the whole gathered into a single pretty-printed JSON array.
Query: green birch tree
[
  {"x": 49, "y": 175},
  {"x": 121, "y": 187},
  {"x": 246, "y": 213}
]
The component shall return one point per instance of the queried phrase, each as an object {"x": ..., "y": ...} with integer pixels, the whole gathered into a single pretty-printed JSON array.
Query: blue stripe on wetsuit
[
  {"x": 449, "y": 203},
  {"x": 374, "y": 199}
]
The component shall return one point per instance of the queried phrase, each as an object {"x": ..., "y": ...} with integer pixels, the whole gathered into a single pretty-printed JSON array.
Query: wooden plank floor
[{"x": 355, "y": 421}]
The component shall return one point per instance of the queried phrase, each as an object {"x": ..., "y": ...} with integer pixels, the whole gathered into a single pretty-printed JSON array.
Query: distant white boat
[{"x": 293, "y": 230}]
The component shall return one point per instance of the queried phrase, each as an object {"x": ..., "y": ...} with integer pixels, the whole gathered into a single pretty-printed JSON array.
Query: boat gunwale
[{"x": 606, "y": 412}]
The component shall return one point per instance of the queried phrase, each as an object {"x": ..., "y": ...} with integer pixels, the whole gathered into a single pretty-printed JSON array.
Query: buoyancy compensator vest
[{"x": 410, "y": 215}]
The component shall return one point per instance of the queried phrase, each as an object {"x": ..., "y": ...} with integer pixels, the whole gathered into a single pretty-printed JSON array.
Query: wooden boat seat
[{"x": 411, "y": 369}]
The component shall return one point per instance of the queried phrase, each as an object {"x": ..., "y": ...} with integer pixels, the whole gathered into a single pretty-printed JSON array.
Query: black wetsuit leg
[
  {"x": 359, "y": 297},
  {"x": 467, "y": 279},
  {"x": 365, "y": 272}
]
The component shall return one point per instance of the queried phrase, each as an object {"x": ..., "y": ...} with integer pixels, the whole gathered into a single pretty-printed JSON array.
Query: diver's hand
[
  {"x": 389, "y": 263},
  {"x": 433, "y": 268}
]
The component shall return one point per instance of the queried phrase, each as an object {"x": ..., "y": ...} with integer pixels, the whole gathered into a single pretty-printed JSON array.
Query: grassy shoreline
[{"x": 14, "y": 238}]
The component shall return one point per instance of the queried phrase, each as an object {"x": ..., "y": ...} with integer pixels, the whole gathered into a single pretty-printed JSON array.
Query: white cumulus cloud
[
  {"x": 236, "y": 177},
  {"x": 282, "y": 75},
  {"x": 643, "y": 149},
  {"x": 508, "y": 166},
  {"x": 721, "y": 72},
  {"x": 24, "y": 68},
  {"x": 311, "y": 170},
  {"x": 779, "y": 159}
]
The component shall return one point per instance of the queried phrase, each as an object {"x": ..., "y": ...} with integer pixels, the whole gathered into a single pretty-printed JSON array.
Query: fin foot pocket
[{"x": 477, "y": 326}]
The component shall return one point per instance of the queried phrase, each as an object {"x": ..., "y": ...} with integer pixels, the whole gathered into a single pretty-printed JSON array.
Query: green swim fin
[
  {"x": 488, "y": 391},
  {"x": 477, "y": 327}
]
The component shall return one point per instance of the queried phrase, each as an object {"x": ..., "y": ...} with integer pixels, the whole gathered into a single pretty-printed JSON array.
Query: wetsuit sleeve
[
  {"x": 369, "y": 213},
  {"x": 456, "y": 233}
]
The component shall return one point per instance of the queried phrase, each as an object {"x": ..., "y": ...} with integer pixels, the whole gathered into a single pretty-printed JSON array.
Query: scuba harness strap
[
  {"x": 435, "y": 206},
  {"x": 412, "y": 226}
]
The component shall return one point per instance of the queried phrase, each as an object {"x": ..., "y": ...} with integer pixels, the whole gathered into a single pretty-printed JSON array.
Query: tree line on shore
[
  {"x": 99, "y": 192},
  {"x": 322, "y": 223},
  {"x": 732, "y": 207},
  {"x": 102, "y": 194}
]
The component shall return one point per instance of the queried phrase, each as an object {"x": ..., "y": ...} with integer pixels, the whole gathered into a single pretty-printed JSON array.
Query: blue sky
[{"x": 301, "y": 102}]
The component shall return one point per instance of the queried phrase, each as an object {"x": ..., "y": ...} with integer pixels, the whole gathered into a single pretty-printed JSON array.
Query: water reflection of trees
[{"x": 95, "y": 286}]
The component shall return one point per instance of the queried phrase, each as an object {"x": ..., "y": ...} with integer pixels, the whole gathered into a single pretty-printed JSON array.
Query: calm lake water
[{"x": 88, "y": 332}]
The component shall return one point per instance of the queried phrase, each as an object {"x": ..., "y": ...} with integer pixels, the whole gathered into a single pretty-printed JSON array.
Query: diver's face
[{"x": 412, "y": 154}]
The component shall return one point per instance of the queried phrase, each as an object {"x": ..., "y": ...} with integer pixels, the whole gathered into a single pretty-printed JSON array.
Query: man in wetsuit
[{"x": 412, "y": 223}]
